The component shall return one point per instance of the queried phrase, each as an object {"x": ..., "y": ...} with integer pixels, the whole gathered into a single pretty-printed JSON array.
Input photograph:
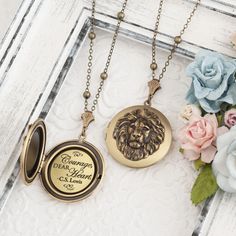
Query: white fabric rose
[
  {"x": 189, "y": 111},
  {"x": 224, "y": 164}
]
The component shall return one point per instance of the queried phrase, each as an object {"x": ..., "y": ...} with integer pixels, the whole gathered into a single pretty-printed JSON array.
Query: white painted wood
[
  {"x": 28, "y": 81},
  {"x": 206, "y": 218},
  {"x": 127, "y": 196},
  {"x": 8, "y": 11},
  {"x": 16, "y": 34},
  {"x": 223, "y": 222},
  {"x": 36, "y": 74},
  {"x": 225, "y": 6},
  {"x": 204, "y": 30}
]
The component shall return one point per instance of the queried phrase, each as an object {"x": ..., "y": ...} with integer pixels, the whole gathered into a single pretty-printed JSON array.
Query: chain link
[
  {"x": 107, "y": 64},
  {"x": 104, "y": 74},
  {"x": 177, "y": 40},
  {"x": 155, "y": 36}
]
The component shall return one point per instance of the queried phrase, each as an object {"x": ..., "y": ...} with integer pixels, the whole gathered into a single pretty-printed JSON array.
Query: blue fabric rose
[
  {"x": 213, "y": 81},
  {"x": 224, "y": 164}
]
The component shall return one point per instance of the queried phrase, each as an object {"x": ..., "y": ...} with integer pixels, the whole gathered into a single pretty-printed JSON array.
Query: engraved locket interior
[{"x": 70, "y": 171}]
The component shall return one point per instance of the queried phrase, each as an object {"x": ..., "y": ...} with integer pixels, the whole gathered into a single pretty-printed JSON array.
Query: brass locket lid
[
  {"x": 32, "y": 154},
  {"x": 70, "y": 171}
]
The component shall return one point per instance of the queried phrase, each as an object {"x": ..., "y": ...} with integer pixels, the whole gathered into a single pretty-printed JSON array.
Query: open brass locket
[{"x": 69, "y": 172}]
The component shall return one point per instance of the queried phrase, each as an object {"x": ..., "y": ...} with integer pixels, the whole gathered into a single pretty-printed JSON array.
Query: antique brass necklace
[
  {"x": 139, "y": 136},
  {"x": 72, "y": 170}
]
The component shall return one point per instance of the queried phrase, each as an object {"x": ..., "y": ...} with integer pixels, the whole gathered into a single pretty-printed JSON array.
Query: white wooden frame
[
  {"x": 73, "y": 32},
  {"x": 16, "y": 33}
]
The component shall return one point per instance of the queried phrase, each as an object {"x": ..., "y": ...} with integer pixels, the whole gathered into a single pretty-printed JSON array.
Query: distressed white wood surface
[
  {"x": 8, "y": 11},
  {"x": 141, "y": 201},
  {"x": 18, "y": 17},
  {"x": 26, "y": 84},
  {"x": 204, "y": 31}
]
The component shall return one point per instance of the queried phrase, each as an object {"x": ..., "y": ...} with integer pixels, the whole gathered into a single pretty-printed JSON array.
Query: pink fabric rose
[
  {"x": 197, "y": 138},
  {"x": 230, "y": 117}
]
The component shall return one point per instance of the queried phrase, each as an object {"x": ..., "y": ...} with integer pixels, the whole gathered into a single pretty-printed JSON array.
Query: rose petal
[
  {"x": 190, "y": 97},
  {"x": 231, "y": 164},
  {"x": 226, "y": 139},
  {"x": 209, "y": 106},
  {"x": 222, "y": 130},
  {"x": 208, "y": 154},
  {"x": 219, "y": 163},
  {"x": 223, "y": 183},
  {"x": 199, "y": 90},
  {"x": 217, "y": 93},
  {"x": 190, "y": 146},
  {"x": 207, "y": 143},
  {"x": 230, "y": 95},
  {"x": 191, "y": 155},
  {"x": 231, "y": 159},
  {"x": 232, "y": 182}
]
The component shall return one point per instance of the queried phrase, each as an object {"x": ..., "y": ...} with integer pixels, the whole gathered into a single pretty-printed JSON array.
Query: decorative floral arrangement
[{"x": 208, "y": 137}]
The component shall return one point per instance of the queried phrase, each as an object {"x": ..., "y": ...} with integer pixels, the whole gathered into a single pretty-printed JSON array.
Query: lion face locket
[
  {"x": 70, "y": 171},
  {"x": 139, "y": 136}
]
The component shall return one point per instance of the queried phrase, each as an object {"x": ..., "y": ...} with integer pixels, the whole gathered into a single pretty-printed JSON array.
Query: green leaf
[
  {"x": 203, "y": 112},
  {"x": 225, "y": 107},
  {"x": 205, "y": 185},
  {"x": 220, "y": 120},
  {"x": 198, "y": 164},
  {"x": 181, "y": 150}
]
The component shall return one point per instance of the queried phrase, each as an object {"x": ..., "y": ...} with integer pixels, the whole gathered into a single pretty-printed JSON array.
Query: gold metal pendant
[
  {"x": 71, "y": 171},
  {"x": 139, "y": 136}
]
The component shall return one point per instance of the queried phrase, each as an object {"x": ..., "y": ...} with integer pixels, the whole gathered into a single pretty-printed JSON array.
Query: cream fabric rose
[
  {"x": 224, "y": 164},
  {"x": 189, "y": 111}
]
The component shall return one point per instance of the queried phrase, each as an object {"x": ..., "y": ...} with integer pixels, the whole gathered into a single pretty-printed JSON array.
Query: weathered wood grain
[
  {"x": 204, "y": 30},
  {"x": 32, "y": 67},
  {"x": 8, "y": 13},
  {"x": 63, "y": 122},
  {"x": 16, "y": 34}
]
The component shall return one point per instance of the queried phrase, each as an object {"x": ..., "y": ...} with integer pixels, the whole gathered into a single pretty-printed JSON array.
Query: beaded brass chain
[
  {"x": 154, "y": 84},
  {"x": 104, "y": 74},
  {"x": 87, "y": 116}
]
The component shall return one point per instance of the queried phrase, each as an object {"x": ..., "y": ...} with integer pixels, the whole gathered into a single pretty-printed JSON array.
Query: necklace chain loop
[
  {"x": 104, "y": 75},
  {"x": 177, "y": 41},
  {"x": 153, "y": 66}
]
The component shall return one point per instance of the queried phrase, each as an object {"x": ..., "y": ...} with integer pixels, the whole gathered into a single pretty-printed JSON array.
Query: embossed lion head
[{"x": 139, "y": 134}]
